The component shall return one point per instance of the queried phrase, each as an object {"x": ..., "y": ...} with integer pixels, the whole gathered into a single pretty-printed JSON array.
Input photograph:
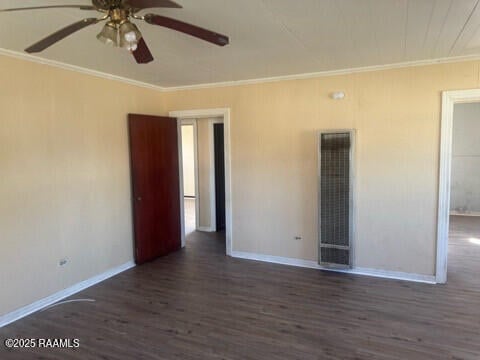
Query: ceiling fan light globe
[
  {"x": 132, "y": 46},
  {"x": 109, "y": 35},
  {"x": 106, "y": 41},
  {"x": 129, "y": 36},
  {"x": 128, "y": 45}
]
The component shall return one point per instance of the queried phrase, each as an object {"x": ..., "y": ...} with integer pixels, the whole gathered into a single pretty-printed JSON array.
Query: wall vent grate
[{"x": 335, "y": 198}]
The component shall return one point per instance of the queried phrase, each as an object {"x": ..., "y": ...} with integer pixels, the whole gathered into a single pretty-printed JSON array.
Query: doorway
[
  {"x": 211, "y": 170},
  {"x": 464, "y": 229},
  {"x": 458, "y": 243},
  {"x": 190, "y": 174}
]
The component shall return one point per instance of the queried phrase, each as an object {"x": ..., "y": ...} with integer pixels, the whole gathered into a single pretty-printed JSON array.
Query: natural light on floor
[{"x": 475, "y": 241}]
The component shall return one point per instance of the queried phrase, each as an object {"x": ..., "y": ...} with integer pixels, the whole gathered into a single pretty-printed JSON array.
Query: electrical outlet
[{"x": 62, "y": 262}]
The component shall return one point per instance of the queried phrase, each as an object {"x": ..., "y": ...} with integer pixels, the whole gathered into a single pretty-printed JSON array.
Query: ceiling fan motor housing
[
  {"x": 107, "y": 5},
  {"x": 118, "y": 15}
]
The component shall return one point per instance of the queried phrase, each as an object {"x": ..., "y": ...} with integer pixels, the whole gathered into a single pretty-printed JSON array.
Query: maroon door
[{"x": 155, "y": 185}]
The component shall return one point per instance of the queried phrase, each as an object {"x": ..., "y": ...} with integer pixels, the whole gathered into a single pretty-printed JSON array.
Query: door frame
[
  {"x": 449, "y": 99},
  {"x": 224, "y": 113}
]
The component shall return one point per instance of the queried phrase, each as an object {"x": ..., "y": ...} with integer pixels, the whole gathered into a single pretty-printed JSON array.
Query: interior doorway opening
[
  {"x": 458, "y": 232},
  {"x": 204, "y": 172},
  {"x": 464, "y": 217},
  {"x": 189, "y": 168}
]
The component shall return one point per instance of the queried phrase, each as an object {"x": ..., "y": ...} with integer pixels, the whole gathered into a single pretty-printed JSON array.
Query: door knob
[{"x": 139, "y": 198}]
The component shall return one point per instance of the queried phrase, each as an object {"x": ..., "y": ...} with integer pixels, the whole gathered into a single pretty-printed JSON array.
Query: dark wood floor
[
  {"x": 200, "y": 304},
  {"x": 463, "y": 255}
]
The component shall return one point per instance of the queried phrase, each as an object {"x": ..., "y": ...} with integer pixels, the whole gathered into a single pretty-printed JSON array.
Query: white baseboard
[
  {"x": 429, "y": 279},
  {"x": 467, "y": 213},
  {"x": 49, "y": 300},
  {"x": 205, "y": 229}
]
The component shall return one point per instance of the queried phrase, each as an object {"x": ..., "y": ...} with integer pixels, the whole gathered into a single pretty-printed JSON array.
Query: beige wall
[
  {"x": 65, "y": 182},
  {"x": 65, "y": 189},
  {"x": 188, "y": 158},
  {"x": 274, "y": 170}
]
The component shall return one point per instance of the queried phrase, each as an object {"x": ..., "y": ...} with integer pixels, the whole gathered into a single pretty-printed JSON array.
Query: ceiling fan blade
[
  {"x": 198, "y": 32},
  {"x": 142, "y": 55},
  {"x": 81, "y": 7},
  {"x": 145, "y": 4},
  {"x": 60, "y": 34}
]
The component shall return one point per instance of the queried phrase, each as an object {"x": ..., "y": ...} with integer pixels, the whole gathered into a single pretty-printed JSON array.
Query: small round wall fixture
[{"x": 337, "y": 95}]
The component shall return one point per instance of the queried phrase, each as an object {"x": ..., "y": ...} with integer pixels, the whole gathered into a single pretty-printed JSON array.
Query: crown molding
[
  {"x": 302, "y": 76},
  {"x": 78, "y": 69},
  {"x": 405, "y": 64}
]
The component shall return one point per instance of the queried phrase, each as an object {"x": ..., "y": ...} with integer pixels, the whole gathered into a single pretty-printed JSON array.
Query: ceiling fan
[{"x": 119, "y": 30}]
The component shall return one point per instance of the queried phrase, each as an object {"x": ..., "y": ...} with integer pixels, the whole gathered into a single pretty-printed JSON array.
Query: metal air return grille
[{"x": 335, "y": 198}]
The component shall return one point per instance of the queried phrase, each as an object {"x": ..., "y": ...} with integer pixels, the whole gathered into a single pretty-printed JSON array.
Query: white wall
[
  {"x": 188, "y": 157},
  {"x": 465, "y": 183}
]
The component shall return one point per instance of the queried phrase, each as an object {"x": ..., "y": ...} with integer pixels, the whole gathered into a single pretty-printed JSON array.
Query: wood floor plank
[{"x": 200, "y": 304}]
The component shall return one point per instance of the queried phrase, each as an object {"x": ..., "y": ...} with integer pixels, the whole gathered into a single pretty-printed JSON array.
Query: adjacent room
[
  {"x": 190, "y": 169},
  {"x": 464, "y": 239},
  {"x": 203, "y": 178},
  {"x": 261, "y": 179}
]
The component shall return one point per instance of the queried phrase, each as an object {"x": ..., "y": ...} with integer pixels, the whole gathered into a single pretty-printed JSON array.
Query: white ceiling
[{"x": 268, "y": 38}]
